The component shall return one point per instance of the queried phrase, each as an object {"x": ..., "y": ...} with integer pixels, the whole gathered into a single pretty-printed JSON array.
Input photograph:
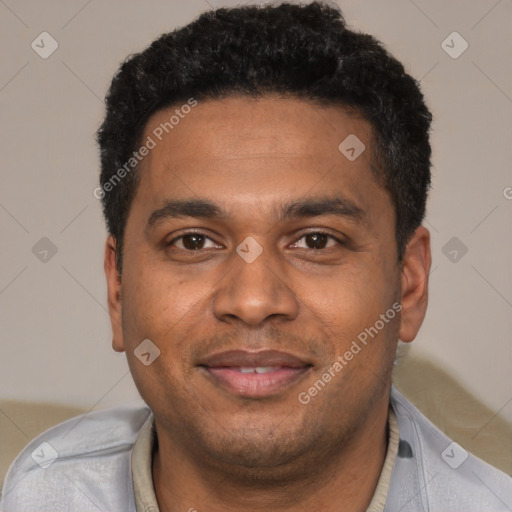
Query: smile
[{"x": 254, "y": 374}]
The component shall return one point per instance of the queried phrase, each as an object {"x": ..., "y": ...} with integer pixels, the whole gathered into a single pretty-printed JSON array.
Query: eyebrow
[{"x": 311, "y": 207}]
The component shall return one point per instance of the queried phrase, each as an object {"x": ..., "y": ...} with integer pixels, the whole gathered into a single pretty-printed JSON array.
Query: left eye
[{"x": 317, "y": 240}]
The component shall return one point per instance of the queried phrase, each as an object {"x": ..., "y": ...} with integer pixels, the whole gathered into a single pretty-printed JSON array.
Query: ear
[
  {"x": 114, "y": 294},
  {"x": 414, "y": 284}
]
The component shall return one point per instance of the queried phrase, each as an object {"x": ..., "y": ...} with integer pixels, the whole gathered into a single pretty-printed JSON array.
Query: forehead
[
  {"x": 247, "y": 152},
  {"x": 252, "y": 127}
]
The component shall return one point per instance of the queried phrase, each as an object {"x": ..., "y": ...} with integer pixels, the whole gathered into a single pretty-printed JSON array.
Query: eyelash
[{"x": 198, "y": 251}]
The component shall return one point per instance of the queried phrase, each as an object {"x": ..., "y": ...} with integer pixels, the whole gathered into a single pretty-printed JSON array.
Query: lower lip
[{"x": 255, "y": 385}]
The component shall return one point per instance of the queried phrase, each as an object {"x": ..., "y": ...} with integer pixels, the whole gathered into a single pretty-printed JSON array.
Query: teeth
[{"x": 259, "y": 369}]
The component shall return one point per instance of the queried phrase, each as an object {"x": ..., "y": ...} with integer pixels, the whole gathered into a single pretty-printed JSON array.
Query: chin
[{"x": 264, "y": 451}]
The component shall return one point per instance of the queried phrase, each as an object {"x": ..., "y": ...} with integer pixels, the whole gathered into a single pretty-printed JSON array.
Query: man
[{"x": 264, "y": 179}]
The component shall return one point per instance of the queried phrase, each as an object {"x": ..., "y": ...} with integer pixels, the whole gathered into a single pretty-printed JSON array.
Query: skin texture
[{"x": 218, "y": 451}]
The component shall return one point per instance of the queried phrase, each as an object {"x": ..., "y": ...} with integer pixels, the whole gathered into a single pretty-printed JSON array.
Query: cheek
[
  {"x": 158, "y": 302},
  {"x": 163, "y": 307},
  {"x": 156, "y": 307},
  {"x": 349, "y": 302}
]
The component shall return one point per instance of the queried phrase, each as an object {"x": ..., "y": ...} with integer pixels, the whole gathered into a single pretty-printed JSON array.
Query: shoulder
[
  {"x": 442, "y": 474},
  {"x": 76, "y": 464}
]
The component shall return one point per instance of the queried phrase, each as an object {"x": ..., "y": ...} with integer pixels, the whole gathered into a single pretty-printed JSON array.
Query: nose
[{"x": 254, "y": 291}]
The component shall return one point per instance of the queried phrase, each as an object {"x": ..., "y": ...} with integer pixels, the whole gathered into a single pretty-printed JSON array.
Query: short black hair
[{"x": 302, "y": 51}]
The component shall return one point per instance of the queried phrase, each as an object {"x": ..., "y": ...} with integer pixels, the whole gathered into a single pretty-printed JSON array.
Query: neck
[{"x": 342, "y": 478}]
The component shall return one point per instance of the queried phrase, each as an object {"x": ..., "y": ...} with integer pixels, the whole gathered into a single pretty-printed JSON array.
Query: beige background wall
[{"x": 55, "y": 333}]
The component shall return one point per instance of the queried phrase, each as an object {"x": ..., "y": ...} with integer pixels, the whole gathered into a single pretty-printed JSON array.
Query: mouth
[{"x": 254, "y": 374}]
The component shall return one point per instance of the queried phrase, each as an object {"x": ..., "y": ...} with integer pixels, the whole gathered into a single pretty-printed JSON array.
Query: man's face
[{"x": 323, "y": 276}]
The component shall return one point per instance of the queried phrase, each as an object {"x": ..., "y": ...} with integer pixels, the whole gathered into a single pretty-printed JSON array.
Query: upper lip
[{"x": 248, "y": 359}]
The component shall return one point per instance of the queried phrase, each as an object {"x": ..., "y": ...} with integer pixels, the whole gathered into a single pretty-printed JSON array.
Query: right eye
[{"x": 190, "y": 241}]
